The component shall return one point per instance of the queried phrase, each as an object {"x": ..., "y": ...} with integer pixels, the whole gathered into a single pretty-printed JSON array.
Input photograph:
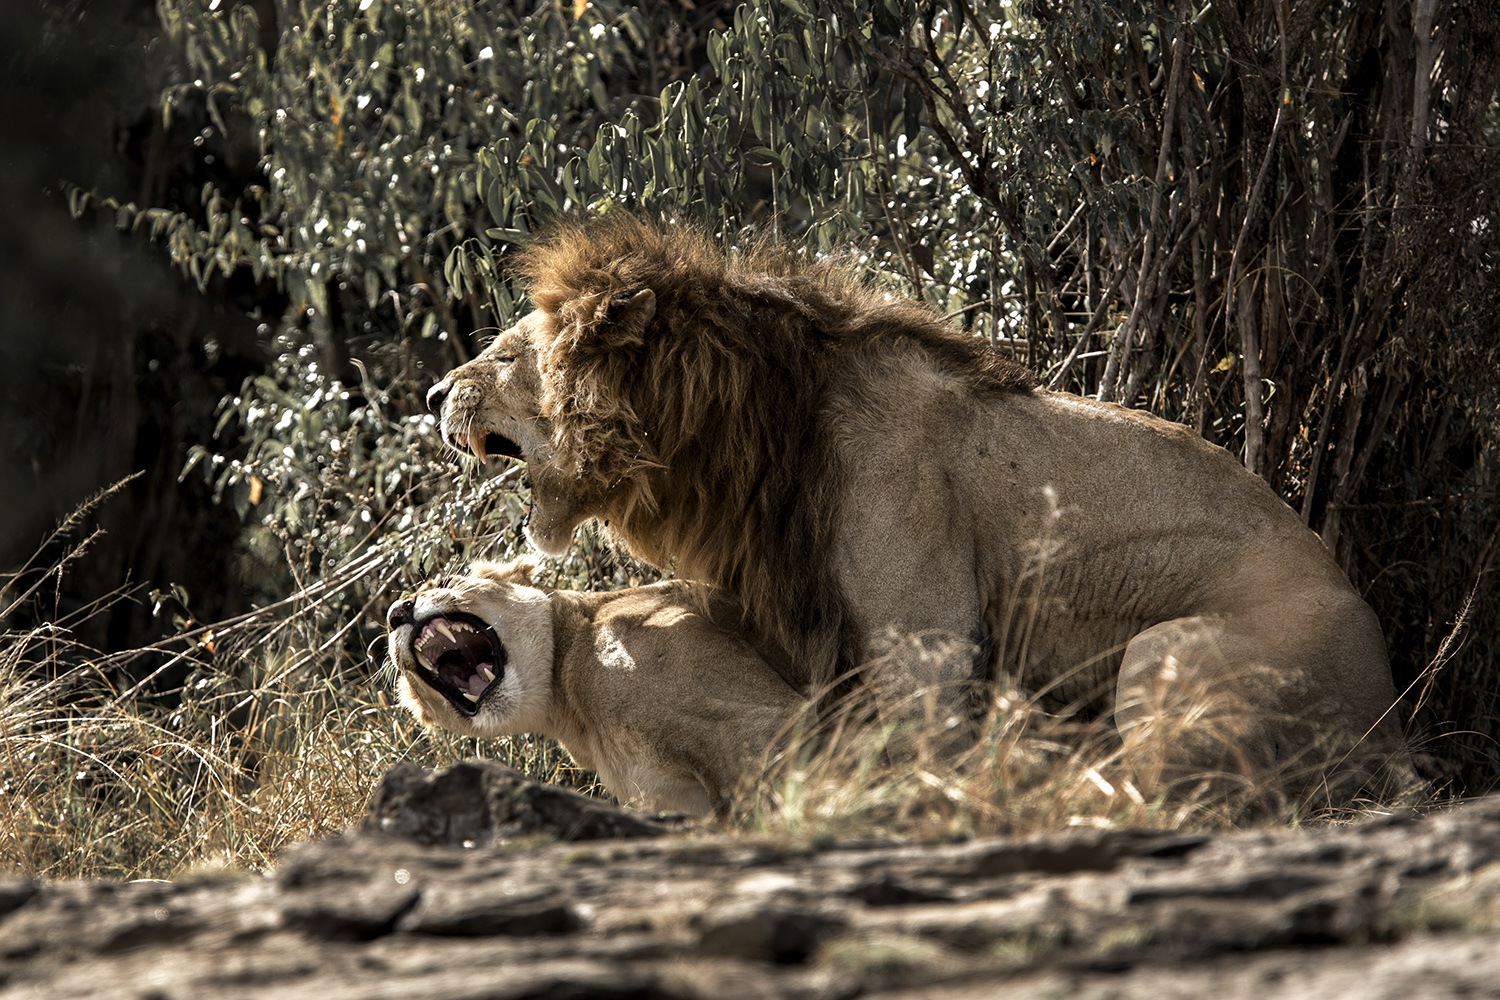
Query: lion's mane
[{"x": 703, "y": 430}]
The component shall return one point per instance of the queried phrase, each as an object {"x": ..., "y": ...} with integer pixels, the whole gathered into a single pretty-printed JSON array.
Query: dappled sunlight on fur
[{"x": 651, "y": 687}]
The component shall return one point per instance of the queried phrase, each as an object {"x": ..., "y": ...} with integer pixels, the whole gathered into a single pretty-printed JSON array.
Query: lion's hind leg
[
  {"x": 1249, "y": 706},
  {"x": 1196, "y": 701}
]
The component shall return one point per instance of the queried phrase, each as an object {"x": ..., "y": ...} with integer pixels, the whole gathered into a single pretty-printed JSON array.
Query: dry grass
[
  {"x": 898, "y": 771},
  {"x": 1028, "y": 772},
  {"x": 229, "y": 770},
  {"x": 228, "y": 743},
  {"x": 224, "y": 773},
  {"x": 214, "y": 749}
]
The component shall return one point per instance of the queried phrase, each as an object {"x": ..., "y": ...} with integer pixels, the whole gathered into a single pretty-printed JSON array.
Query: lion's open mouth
[
  {"x": 460, "y": 657},
  {"x": 482, "y": 445}
]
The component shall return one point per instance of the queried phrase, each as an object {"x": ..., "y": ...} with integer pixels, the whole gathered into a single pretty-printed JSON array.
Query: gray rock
[
  {"x": 1399, "y": 907},
  {"x": 478, "y": 803}
]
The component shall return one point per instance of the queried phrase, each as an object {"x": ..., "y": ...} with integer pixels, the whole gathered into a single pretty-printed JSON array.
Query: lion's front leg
[
  {"x": 921, "y": 653},
  {"x": 905, "y": 562}
]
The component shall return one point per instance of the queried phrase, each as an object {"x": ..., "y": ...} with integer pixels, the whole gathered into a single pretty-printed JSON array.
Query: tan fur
[
  {"x": 843, "y": 464},
  {"x": 671, "y": 709}
]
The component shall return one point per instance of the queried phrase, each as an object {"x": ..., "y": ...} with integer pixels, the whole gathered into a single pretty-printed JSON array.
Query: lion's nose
[
  {"x": 403, "y": 612},
  {"x": 436, "y": 395}
]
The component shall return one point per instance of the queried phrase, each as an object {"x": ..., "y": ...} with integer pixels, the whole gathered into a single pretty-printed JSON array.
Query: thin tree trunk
[{"x": 1248, "y": 320}]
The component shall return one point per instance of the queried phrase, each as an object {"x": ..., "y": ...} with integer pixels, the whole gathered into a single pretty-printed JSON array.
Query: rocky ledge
[{"x": 473, "y": 882}]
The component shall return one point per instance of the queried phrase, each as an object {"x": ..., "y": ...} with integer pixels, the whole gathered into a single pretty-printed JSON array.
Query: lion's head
[{"x": 523, "y": 398}]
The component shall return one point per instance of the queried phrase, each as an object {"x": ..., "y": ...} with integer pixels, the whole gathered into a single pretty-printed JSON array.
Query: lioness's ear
[
  {"x": 517, "y": 571},
  {"x": 603, "y": 321}
]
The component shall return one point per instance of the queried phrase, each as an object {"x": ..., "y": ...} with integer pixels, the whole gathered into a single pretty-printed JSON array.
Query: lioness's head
[{"x": 474, "y": 653}]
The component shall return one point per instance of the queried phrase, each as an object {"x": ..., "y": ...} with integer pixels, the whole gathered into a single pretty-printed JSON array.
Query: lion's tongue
[{"x": 477, "y": 683}]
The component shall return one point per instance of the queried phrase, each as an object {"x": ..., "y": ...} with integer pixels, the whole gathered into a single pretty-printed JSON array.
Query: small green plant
[
  {"x": 1469, "y": 903},
  {"x": 1027, "y": 946}
]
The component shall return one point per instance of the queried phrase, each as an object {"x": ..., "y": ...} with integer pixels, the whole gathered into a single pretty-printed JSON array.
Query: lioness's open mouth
[
  {"x": 482, "y": 445},
  {"x": 459, "y": 656}
]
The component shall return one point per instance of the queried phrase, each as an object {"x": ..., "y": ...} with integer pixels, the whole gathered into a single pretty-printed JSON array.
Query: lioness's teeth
[
  {"x": 486, "y": 673},
  {"x": 476, "y": 444},
  {"x": 472, "y": 697},
  {"x": 423, "y": 658},
  {"x": 442, "y": 627}
]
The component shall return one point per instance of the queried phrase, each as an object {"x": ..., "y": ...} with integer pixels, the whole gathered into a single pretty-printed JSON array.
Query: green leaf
[
  {"x": 596, "y": 162},
  {"x": 766, "y": 154}
]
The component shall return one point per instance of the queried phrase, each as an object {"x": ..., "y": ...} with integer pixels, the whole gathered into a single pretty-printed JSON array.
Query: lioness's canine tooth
[
  {"x": 423, "y": 658},
  {"x": 476, "y": 445},
  {"x": 486, "y": 673},
  {"x": 472, "y": 697},
  {"x": 442, "y": 627}
]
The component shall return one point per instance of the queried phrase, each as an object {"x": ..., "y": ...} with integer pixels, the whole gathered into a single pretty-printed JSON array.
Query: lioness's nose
[
  {"x": 401, "y": 613},
  {"x": 436, "y": 395}
]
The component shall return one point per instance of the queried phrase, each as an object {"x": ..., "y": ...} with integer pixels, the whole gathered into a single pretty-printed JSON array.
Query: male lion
[
  {"x": 642, "y": 685},
  {"x": 845, "y": 465}
]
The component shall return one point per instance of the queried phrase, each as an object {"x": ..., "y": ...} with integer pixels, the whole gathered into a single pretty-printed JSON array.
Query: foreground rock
[
  {"x": 481, "y": 804},
  {"x": 1398, "y": 907}
]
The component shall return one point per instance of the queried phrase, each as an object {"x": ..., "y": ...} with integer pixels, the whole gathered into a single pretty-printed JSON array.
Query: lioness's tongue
[{"x": 477, "y": 684}]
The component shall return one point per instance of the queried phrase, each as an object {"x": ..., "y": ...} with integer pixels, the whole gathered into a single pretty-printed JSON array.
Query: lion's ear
[
  {"x": 518, "y": 571},
  {"x": 607, "y": 321}
]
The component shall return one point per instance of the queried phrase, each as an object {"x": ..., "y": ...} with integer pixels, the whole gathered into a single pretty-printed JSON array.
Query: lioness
[
  {"x": 843, "y": 463},
  {"x": 640, "y": 685}
]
